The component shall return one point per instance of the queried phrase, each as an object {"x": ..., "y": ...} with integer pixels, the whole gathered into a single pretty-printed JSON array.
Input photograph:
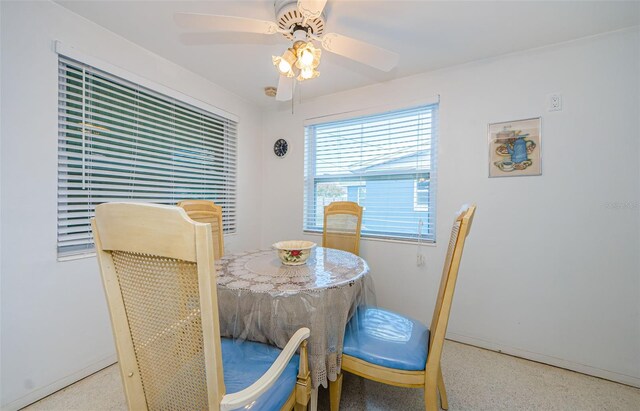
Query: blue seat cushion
[
  {"x": 387, "y": 339},
  {"x": 244, "y": 362}
]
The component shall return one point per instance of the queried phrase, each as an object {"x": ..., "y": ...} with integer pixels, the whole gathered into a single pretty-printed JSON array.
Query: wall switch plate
[
  {"x": 420, "y": 261},
  {"x": 555, "y": 102}
]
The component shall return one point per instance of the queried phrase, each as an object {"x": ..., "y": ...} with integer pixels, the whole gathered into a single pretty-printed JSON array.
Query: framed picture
[{"x": 514, "y": 148}]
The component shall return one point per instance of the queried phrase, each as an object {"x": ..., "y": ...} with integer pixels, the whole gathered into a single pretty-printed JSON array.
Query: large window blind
[
  {"x": 118, "y": 141},
  {"x": 384, "y": 162}
]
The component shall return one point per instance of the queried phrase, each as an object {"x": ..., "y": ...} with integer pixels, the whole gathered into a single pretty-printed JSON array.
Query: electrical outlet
[
  {"x": 420, "y": 261},
  {"x": 555, "y": 102}
]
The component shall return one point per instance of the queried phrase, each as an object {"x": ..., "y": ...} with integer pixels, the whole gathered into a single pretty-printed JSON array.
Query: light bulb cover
[
  {"x": 284, "y": 64},
  {"x": 307, "y": 73},
  {"x": 308, "y": 55}
]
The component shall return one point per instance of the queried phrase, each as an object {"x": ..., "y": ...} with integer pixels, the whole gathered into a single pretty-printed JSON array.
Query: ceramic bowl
[{"x": 295, "y": 252}]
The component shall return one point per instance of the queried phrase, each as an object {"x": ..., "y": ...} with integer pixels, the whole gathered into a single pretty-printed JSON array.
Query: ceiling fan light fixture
[
  {"x": 307, "y": 73},
  {"x": 285, "y": 63},
  {"x": 300, "y": 61},
  {"x": 308, "y": 55}
]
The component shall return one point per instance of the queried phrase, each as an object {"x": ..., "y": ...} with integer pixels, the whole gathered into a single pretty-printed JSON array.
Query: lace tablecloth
[{"x": 262, "y": 300}]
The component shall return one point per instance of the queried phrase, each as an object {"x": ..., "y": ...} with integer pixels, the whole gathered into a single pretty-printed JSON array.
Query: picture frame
[{"x": 515, "y": 148}]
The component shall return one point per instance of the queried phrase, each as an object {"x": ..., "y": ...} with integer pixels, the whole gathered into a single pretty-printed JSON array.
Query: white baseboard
[
  {"x": 42, "y": 392},
  {"x": 546, "y": 359}
]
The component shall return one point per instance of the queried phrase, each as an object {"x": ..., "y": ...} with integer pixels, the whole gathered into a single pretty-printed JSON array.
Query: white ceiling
[{"x": 427, "y": 35}]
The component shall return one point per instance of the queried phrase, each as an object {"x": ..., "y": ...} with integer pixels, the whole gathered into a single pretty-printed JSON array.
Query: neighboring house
[{"x": 389, "y": 173}]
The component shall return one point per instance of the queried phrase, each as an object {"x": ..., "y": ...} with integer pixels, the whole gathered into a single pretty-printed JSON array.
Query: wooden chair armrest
[{"x": 252, "y": 392}]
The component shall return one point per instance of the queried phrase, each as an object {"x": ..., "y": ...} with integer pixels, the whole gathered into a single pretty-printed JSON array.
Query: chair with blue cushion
[
  {"x": 159, "y": 277},
  {"x": 393, "y": 349}
]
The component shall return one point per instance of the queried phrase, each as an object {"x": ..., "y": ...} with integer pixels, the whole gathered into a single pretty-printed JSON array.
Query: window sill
[{"x": 428, "y": 243}]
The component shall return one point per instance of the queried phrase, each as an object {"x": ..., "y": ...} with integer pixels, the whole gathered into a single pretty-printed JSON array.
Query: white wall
[
  {"x": 55, "y": 326},
  {"x": 551, "y": 268}
]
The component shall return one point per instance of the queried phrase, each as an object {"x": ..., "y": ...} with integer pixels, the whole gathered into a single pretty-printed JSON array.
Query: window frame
[{"x": 311, "y": 182}]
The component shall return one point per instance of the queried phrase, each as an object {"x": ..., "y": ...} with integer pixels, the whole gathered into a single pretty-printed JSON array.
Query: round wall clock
[{"x": 280, "y": 147}]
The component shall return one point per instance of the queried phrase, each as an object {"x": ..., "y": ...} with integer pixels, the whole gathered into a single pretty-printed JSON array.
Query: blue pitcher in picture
[{"x": 519, "y": 150}]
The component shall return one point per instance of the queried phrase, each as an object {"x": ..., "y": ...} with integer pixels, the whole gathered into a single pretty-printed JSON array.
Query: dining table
[{"x": 261, "y": 299}]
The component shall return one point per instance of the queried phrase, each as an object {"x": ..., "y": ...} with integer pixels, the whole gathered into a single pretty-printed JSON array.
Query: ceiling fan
[{"x": 303, "y": 24}]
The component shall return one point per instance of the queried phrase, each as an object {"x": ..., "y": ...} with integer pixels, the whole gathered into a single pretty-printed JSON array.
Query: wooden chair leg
[
  {"x": 335, "y": 391},
  {"x": 444, "y": 403},
  {"x": 431, "y": 394},
  {"x": 303, "y": 385}
]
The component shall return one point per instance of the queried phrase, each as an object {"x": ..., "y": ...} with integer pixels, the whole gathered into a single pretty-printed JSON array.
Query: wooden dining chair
[
  {"x": 159, "y": 278},
  {"x": 342, "y": 223},
  {"x": 205, "y": 211},
  {"x": 393, "y": 349}
]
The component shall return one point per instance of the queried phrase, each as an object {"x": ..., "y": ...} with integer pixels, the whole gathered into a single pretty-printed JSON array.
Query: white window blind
[
  {"x": 384, "y": 162},
  {"x": 118, "y": 141}
]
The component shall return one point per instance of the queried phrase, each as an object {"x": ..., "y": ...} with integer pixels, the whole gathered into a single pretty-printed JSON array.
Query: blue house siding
[
  {"x": 352, "y": 193},
  {"x": 388, "y": 191},
  {"x": 379, "y": 206}
]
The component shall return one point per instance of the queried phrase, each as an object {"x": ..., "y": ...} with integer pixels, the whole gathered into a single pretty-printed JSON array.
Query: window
[
  {"x": 118, "y": 141},
  {"x": 384, "y": 162}
]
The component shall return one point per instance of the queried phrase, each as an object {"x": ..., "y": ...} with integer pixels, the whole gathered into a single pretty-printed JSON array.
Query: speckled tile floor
[{"x": 476, "y": 379}]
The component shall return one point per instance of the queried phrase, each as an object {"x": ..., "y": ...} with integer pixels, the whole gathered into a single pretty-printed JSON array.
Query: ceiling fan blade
[
  {"x": 212, "y": 22},
  {"x": 357, "y": 50},
  {"x": 311, "y": 9},
  {"x": 229, "y": 38},
  {"x": 285, "y": 88}
]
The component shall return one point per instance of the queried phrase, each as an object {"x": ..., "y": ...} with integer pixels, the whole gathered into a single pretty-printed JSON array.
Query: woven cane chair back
[
  {"x": 150, "y": 259},
  {"x": 442, "y": 309},
  {"x": 205, "y": 211},
  {"x": 342, "y": 223},
  {"x": 162, "y": 305}
]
